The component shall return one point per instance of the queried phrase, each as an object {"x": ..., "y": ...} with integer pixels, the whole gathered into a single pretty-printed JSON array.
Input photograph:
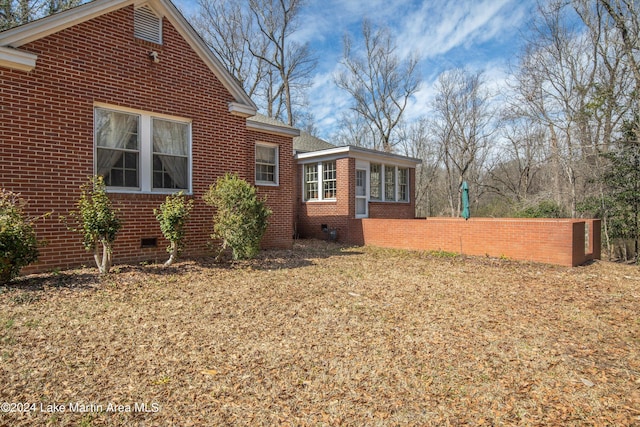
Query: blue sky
[{"x": 480, "y": 35}]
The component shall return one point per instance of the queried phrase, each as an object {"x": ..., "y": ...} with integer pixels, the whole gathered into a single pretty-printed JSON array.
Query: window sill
[
  {"x": 267, "y": 184},
  {"x": 112, "y": 190},
  {"x": 321, "y": 201}
]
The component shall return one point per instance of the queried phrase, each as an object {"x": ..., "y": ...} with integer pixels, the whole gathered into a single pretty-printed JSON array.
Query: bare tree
[
  {"x": 417, "y": 142},
  {"x": 462, "y": 126},
  {"x": 254, "y": 40},
  {"x": 18, "y": 12},
  {"x": 227, "y": 29},
  {"x": 291, "y": 63},
  {"x": 379, "y": 81}
]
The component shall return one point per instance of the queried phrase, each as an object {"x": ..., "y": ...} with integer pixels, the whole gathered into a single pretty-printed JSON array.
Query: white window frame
[
  {"x": 276, "y": 173},
  {"x": 145, "y": 161},
  {"x": 396, "y": 183},
  {"x": 320, "y": 182}
]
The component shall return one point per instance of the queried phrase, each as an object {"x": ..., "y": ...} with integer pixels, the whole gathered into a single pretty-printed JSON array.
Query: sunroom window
[
  {"x": 389, "y": 183},
  {"x": 310, "y": 182},
  {"x": 375, "y": 177},
  {"x": 329, "y": 180},
  {"x": 403, "y": 185},
  {"x": 320, "y": 181}
]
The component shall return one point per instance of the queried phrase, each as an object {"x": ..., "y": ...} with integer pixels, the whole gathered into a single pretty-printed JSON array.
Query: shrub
[
  {"x": 173, "y": 215},
  {"x": 97, "y": 221},
  {"x": 240, "y": 220},
  {"x": 18, "y": 244},
  {"x": 544, "y": 209}
]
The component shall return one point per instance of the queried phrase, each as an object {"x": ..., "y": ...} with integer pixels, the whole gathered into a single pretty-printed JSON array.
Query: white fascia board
[
  {"x": 357, "y": 153},
  {"x": 242, "y": 110},
  {"x": 273, "y": 129},
  {"x": 17, "y": 59},
  {"x": 46, "y": 26}
]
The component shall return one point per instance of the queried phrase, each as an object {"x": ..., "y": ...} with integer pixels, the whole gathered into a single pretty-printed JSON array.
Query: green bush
[
  {"x": 18, "y": 244},
  {"x": 544, "y": 209},
  {"x": 173, "y": 215},
  {"x": 240, "y": 220},
  {"x": 97, "y": 222}
]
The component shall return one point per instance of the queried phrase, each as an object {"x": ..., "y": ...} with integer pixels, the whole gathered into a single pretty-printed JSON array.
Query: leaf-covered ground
[{"x": 324, "y": 335}]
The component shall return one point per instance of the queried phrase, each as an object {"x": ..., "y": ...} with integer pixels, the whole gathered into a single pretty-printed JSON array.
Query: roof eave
[
  {"x": 273, "y": 129},
  {"x": 359, "y": 153},
  {"x": 17, "y": 59}
]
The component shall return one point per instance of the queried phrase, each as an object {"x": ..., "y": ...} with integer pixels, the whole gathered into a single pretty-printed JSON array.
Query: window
[
  {"x": 170, "y": 154},
  {"x": 403, "y": 185},
  {"x": 266, "y": 164},
  {"x": 389, "y": 183},
  {"x": 375, "y": 182},
  {"x": 310, "y": 182},
  {"x": 147, "y": 25},
  {"x": 320, "y": 181},
  {"x": 329, "y": 179},
  {"x": 118, "y": 148},
  {"x": 136, "y": 151}
]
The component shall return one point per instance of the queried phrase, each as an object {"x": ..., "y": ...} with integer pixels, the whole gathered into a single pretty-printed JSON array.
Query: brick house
[
  {"x": 335, "y": 184},
  {"x": 131, "y": 92},
  {"x": 128, "y": 90}
]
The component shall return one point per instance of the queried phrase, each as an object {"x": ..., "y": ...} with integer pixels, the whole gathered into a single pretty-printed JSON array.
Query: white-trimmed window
[
  {"x": 329, "y": 180},
  {"x": 389, "y": 183},
  {"x": 320, "y": 181},
  {"x": 311, "y": 182},
  {"x": 139, "y": 151},
  {"x": 403, "y": 184},
  {"x": 266, "y": 164},
  {"x": 375, "y": 181}
]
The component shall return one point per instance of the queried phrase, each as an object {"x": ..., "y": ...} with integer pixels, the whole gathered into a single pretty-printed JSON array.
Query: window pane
[
  {"x": 117, "y": 141},
  {"x": 310, "y": 182},
  {"x": 124, "y": 169},
  {"x": 266, "y": 154},
  {"x": 390, "y": 183},
  {"x": 171, "y": 151},
  {"x": 116, "y": 130},
  {"x": 266, "y": 164},
  {"x": 170, "y": 137},
  {"x": 170, "y": 172},
  {"x": 329, "y": 180},
  {"x": 375, "y": 182},
  {"x": 403, "y": 185}
]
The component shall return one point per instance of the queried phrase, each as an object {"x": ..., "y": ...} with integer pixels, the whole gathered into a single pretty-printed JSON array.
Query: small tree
[
  {"x": 18, "y": 244},
  {"x": 173, "y": 215},
  {"x": 97, "y": 221},
  {"x": 240, "y": 220}
]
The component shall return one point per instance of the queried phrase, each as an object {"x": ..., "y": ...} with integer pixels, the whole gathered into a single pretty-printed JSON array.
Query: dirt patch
[{"x": 325, "y": 335}]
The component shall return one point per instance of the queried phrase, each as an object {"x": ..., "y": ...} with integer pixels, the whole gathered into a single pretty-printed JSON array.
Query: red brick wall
[
  {"x": 542, "y": 240},
  {"x": 312, "y": 215},
  {"x": 334, "y": 214},
  {"x": 279, "y": 199},
  {"x": 46, "y": 125}
]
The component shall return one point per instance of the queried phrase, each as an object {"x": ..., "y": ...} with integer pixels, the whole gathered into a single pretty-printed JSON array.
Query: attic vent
[{"x": 147, "y": 25}]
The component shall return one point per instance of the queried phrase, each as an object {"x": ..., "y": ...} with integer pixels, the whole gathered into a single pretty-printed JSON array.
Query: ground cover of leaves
[{"x": 324, "y": 335}]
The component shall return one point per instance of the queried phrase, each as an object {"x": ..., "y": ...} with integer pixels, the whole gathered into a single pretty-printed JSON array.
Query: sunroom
[{"x": 342, "y": 183}]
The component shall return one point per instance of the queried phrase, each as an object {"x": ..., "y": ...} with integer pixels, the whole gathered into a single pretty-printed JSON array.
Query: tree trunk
[{"x": 172, "y": 255}]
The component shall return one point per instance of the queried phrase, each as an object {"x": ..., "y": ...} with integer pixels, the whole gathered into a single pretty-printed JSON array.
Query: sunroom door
[{"x": 361, "y": 193}]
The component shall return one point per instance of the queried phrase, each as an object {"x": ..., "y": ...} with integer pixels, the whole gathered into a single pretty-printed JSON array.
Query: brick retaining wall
[{"x": 552, "y": 241}]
